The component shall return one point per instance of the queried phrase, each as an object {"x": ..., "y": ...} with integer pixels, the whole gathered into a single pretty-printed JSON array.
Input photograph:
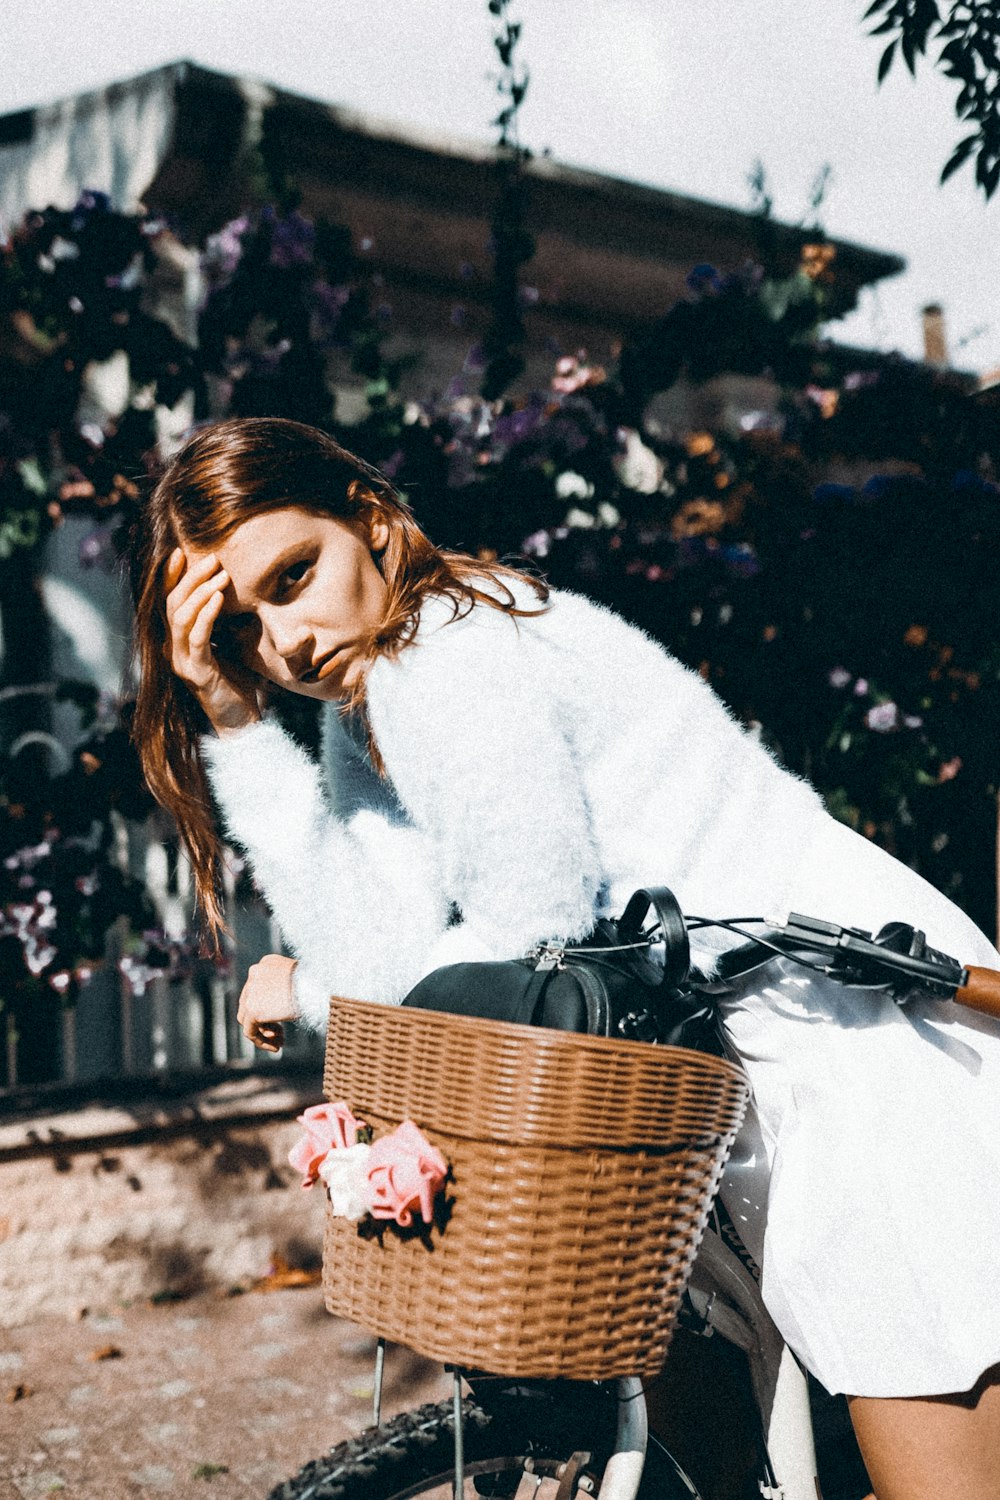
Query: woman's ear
[{"x": 378, "y": 533}]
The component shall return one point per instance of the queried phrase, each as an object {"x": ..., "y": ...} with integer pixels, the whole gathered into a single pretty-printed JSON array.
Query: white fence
[{"x": 118, "y": 1028}]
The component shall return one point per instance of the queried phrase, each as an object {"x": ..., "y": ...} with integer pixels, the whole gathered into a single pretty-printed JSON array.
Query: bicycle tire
[{"x": 413, "y": 1455}]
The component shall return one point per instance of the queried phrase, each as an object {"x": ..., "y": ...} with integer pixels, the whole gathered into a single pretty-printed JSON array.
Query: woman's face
[{"x": 304, "y": 595}]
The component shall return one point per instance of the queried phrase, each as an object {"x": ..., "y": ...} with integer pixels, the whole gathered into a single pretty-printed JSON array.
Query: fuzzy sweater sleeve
[
  {"x": 473, "y": 742},
  {"x": 358, "y": 900}
]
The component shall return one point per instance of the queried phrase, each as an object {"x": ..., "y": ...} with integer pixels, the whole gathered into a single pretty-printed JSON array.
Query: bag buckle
[{"x": 548, "y": 956}]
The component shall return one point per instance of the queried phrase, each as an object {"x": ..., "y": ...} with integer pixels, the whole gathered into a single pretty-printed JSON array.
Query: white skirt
[{"x": 868, "y": 1185}]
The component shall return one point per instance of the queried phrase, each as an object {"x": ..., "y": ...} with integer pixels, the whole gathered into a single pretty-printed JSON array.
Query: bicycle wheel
[{"x": 521, "y": 1440}]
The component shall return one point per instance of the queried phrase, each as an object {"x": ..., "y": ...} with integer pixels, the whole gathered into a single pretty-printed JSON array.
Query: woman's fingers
[
  {"x": 192, "y": 618},
  {"x": 187, "y": 576},
  {"x": 174, "y": 567},
  {"x": 185, "y": 611},
  {"x": 269, "y": 1036},
  {"x": 200, "y": 634},
  {"x": 266, "y": 1001},
  {"x": 193, "y": 604},
  {"x": 188, "y": 618}
]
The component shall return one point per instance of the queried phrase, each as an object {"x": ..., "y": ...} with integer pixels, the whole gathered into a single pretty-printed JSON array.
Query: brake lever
[{"x": 853, "y": 953}]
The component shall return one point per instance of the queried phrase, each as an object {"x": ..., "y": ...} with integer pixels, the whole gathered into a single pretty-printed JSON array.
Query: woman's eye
[{"x": 294, "y": 574}]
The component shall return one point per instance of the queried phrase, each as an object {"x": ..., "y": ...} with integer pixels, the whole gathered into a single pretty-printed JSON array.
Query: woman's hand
[
  {"x": 227, "y": 695},
  {"x": 267, "y": 1000}
]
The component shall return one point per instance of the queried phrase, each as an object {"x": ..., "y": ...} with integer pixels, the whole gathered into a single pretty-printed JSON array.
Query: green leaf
[
  {"x": 885, "y": 62},
  {"x": 991, "y": 178},
  {"x": 31, "y": 476},
  {"x": 961, "y": 154}
]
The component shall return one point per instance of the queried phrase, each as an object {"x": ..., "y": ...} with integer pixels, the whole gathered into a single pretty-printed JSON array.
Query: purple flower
[
  {"x": 97, "y": 549},
  {"x": 537, "y": 544},
  {"x": 514, "y": 426},
  {"x": 882, "y": 717},
  {"x": 703, "y": 278},
  {"x": 224, "y": 250},
  {"x": 292, "y": 241},
  {"x": 839, "y": 677},
  {"x": 391, "y": 466},
  {"x": 741, "y": 559}
]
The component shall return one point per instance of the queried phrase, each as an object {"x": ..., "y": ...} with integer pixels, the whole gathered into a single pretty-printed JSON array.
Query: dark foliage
[{"x": 970, "y": 33}]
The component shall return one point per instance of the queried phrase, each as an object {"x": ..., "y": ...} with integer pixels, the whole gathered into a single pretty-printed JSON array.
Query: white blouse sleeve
[
  {"x": 358, "y": 901},
  {"x": 472, "y": 739}
]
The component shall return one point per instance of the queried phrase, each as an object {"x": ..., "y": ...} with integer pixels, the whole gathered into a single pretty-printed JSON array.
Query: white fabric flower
[{"x": 345, "y": 1172}]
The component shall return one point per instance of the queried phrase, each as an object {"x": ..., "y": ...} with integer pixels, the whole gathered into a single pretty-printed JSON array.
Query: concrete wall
[{"x": 110, "y": 1201}]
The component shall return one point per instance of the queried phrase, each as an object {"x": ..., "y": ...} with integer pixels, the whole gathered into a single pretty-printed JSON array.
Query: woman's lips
[{"x": 322, "y": 669}]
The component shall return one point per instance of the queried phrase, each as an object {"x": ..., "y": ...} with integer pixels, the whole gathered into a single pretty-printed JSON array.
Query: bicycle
[{"x": 513, "y": 1438}]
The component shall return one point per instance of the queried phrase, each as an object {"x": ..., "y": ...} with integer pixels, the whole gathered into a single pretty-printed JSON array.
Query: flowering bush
[{"x": 851, "y": 623}]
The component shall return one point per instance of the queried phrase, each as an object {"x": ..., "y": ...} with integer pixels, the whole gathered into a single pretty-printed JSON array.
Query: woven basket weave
[{"x": 582, "y": 1172}]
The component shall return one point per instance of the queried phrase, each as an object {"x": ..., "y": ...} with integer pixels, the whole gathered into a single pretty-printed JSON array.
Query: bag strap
[
  {"x": 677, "y": 949},
  {"x": 530, "y": 1003}
]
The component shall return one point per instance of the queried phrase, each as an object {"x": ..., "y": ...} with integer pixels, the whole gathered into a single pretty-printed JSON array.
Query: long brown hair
[{"x": 222, "y": 476}]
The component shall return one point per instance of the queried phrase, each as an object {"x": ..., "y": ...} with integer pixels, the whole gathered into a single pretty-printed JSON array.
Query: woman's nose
[{"x": 290, "y": 638}]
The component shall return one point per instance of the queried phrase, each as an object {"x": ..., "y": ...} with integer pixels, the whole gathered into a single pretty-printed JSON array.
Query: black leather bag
[{"x": 616, "y": 983}]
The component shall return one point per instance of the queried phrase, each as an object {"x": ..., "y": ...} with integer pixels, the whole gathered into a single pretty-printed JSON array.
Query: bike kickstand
[
  {"x": 459, "y": 1489},
  {"x": 377, "y": 1383}
]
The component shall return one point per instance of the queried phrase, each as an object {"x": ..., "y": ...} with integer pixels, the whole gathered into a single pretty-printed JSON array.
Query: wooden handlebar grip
[{"x": 982, "y": 991}]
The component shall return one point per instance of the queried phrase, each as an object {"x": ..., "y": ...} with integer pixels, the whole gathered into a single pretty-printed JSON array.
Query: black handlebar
[{"x": 897, "y": 958}]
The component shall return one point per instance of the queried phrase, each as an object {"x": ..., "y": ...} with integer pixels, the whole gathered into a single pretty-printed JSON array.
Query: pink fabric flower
[
  {"x": 327, "y": 1128},
  {"x": 404, "y": 1173}
]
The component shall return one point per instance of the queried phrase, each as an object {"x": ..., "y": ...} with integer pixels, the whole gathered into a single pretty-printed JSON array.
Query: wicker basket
[{"x": 582, "y": 1171}]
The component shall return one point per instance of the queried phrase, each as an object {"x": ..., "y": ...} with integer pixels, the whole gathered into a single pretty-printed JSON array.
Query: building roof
[{"x": 189, "y": 142}]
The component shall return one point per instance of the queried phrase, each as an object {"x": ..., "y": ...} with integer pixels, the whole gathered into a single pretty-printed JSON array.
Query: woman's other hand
[
  {"x": 267, "y": 1000},
  {"x": 227, "y": 694}
]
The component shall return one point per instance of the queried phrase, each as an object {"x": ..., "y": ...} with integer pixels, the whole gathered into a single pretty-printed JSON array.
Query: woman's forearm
[{"x": 358, "y": 902}]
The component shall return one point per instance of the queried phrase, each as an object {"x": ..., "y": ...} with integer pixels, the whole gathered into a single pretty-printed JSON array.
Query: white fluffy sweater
[{"x": 538, "y": 771}]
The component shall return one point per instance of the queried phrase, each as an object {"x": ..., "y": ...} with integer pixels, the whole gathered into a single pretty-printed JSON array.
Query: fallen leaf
[
  {"x": 18, "y": 1392},
  {"x": 282, "y": 1275},
  {"x": 107, "y": 1351}
]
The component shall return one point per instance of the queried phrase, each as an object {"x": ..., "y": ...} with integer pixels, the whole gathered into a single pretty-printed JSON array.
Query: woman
[{"x": 499, "y": 766}]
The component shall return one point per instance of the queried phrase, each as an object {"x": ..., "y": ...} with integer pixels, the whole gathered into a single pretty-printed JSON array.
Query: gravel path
[{"x": 210, "y": 1398}]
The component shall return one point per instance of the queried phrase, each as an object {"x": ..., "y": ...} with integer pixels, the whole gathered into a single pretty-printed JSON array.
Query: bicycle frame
[{"x": 726, "y": 1300}]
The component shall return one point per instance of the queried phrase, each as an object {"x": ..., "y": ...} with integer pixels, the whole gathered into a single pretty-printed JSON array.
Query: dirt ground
[{"x": 208, "y": 1398}]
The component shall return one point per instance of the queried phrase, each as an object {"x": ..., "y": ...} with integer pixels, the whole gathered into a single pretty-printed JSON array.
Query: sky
[{"x": 675, "y": 94}]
